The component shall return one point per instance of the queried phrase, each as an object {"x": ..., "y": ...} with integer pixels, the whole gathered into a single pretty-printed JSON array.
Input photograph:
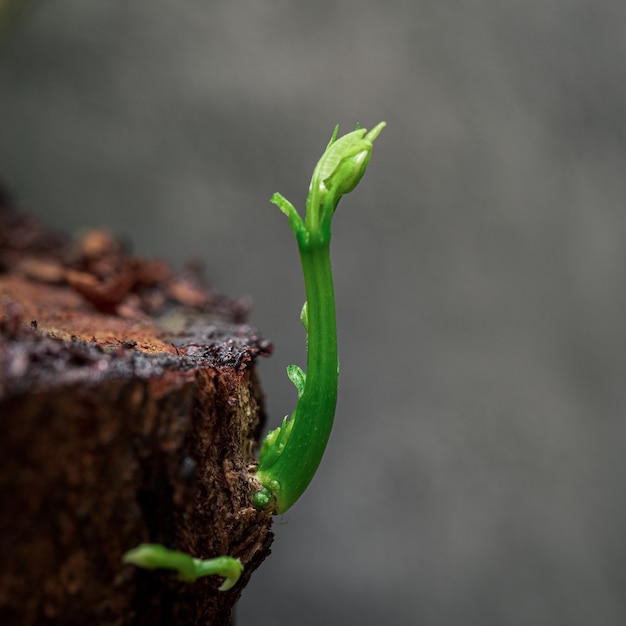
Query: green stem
[{"x": 314, "y": 414}]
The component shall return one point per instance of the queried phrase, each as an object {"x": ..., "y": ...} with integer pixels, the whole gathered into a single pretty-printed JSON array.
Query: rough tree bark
[{"x": 130, "y": 410}]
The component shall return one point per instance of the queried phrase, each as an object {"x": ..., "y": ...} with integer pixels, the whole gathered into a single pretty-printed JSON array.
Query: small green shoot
[
  {"x": 156, "y": 556},
  {"x": 291, "y": 454}
]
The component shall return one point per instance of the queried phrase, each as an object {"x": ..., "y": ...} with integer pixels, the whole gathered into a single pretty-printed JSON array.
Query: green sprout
[
  {"x": 156, "y": 556},
  {"x": 291, "y": 454}
]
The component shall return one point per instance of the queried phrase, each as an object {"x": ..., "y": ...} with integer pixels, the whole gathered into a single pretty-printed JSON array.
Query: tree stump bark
[{"x": 130, "y": 411}]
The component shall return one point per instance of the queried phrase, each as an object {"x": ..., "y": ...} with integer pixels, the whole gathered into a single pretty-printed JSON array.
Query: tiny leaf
[
  {"x": 295, "y": 221},
  {"x": 297, "y": 377},
  {"x": 304, "y": 316}
]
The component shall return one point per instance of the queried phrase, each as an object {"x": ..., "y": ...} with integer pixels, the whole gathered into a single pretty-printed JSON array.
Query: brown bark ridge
[{"x": 130, "y": 410}]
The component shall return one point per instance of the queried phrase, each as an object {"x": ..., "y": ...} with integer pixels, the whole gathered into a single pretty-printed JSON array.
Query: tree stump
[{"x": 130, "y": 411}]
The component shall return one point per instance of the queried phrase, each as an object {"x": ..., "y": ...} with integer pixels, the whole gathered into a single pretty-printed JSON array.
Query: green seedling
[
  {"x": 188, "y": 569},
  {"x": 291, "y": 454}
]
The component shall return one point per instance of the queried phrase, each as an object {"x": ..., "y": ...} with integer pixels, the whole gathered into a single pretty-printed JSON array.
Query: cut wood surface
[{"x": 130, "y": 412}]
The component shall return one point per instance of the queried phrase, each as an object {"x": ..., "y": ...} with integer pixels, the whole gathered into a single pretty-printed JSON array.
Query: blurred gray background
[{"x": 476, "y": 473}]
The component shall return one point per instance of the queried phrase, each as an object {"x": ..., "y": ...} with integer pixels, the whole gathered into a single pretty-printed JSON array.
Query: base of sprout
[{"x": 262, "y": 498}]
